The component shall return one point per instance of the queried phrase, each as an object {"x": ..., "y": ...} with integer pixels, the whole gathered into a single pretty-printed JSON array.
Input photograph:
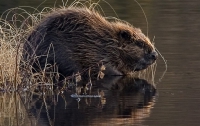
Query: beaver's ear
[{"x": 125, "y": 35}]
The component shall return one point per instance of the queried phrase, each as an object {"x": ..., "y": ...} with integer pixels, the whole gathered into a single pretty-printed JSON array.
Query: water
[{"x": 176, "y": 27}]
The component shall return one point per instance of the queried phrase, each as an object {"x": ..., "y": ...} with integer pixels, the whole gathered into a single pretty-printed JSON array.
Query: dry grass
[
  {"x": 8, "y": 51},
  {"x": 15, "y": 25}
]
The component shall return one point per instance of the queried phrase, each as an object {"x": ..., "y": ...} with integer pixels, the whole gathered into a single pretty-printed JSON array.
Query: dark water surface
[{"x": 176, "y": 27}]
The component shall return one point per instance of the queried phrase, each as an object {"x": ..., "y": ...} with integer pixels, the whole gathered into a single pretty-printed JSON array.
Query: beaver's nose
[{"x": 154, "y": 55}]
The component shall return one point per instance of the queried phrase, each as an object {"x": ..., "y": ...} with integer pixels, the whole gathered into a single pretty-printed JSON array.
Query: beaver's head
[{"x": 133, "y": 50}]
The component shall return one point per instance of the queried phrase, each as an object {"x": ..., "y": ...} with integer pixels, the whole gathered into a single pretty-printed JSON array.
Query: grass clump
[
  {"x": 15, "y": 24},
  {"x": 8, "y": 50}
]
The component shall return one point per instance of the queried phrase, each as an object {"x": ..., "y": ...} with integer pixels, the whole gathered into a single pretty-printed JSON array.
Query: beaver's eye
[{"x": 125, "y": 35}]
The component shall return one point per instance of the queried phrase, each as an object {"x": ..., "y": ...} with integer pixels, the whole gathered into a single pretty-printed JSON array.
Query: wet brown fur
[{"x": 77, "y": 38}]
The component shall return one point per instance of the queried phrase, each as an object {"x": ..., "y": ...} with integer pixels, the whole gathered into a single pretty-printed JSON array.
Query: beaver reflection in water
[{"x": 77, "y": 38}]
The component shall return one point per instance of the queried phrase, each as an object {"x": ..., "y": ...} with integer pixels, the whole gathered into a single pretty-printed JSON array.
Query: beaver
[{"x": 76, "y": 38}]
